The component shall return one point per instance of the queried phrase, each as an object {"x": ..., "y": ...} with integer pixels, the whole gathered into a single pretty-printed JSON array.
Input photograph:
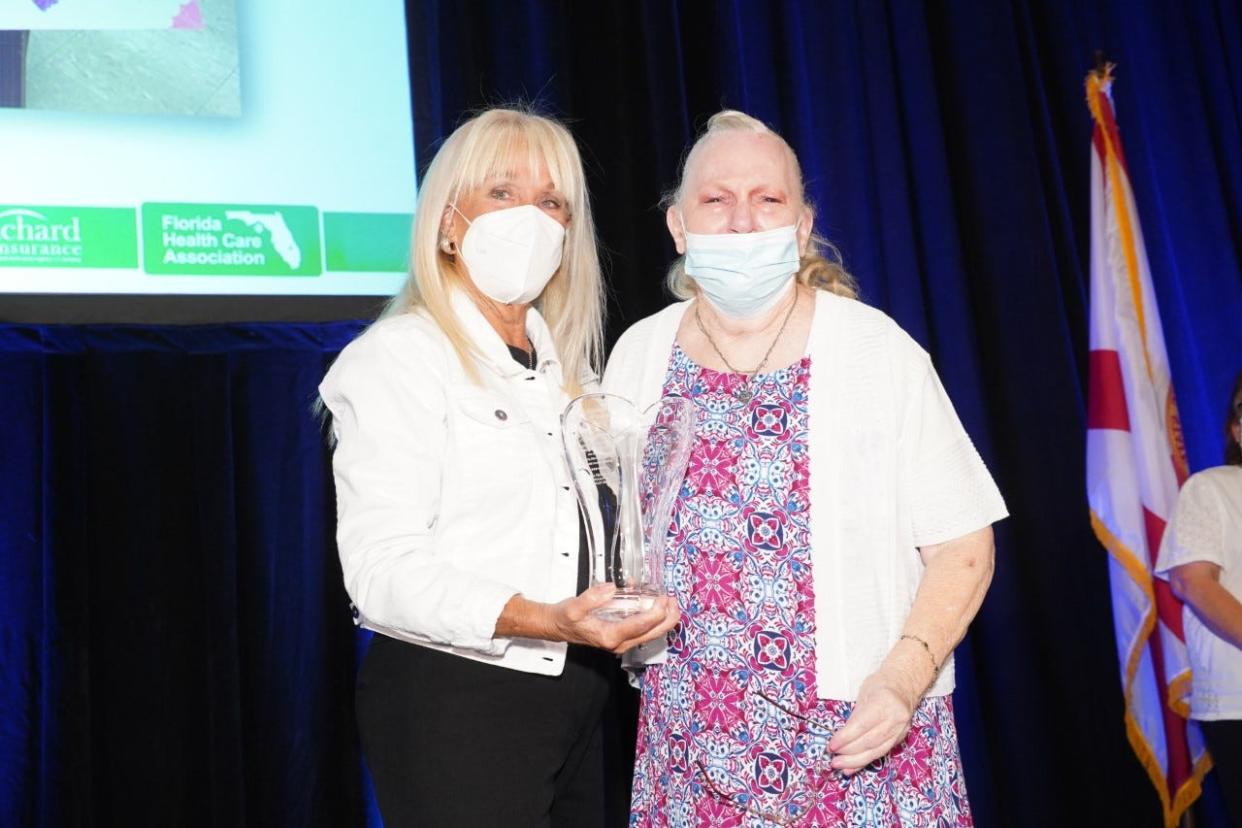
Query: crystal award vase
[{"x": 627, "y": 466}]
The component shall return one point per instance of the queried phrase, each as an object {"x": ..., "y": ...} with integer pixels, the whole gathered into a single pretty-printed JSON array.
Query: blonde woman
[
  {"x": 831, "y": 541},
  {"x": 479, "y": 701}
]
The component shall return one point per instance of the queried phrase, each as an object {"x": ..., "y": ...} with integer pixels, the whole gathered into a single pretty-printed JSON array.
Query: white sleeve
[
  {"x": 623, "y": 375},
  {"x": 1195, "y": 531},
  {"x": 388, "y": 419},
  {"x": 947, "y": 487},
  {"x": 621, "y": 366}
]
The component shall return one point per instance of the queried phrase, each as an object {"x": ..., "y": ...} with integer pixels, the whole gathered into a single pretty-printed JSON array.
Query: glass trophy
[{"x": 627, "y": 467}]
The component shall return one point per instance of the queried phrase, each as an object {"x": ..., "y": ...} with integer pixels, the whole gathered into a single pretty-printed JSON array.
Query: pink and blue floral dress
[{"x": 731, "y": 731}]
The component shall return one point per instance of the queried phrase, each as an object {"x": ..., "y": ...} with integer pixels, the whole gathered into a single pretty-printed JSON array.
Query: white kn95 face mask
[{"x": 512, "y": 253}]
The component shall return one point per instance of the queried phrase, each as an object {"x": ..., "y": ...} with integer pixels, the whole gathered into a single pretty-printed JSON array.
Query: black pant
[
  {"x": 1224, "y": 740},
  {"x": 453, "y": 742}
]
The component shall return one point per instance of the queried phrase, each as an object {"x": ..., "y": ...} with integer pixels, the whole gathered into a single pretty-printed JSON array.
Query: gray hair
[{"x": 821, "y": 266}]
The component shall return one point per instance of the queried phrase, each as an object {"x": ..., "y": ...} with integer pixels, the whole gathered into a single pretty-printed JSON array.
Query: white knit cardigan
[{"x": 891, "y": 470}]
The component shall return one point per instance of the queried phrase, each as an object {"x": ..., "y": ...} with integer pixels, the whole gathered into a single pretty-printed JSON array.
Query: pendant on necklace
[{"x": 743, "y": 394}]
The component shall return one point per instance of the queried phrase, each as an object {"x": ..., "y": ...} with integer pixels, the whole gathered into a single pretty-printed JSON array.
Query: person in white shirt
[
  {"x": 832, "y": 539},
  {"x": 480, "y": 698},
  {"x": 1201, "y": 557}
]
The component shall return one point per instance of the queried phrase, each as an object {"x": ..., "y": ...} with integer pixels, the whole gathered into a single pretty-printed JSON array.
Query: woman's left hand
[
  {"x": 957, "y": 575},
  {"x": 880, "y": 720}
]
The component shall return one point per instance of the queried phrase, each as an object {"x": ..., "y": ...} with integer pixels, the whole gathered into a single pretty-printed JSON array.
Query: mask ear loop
[{"x": 447, "y": 245}]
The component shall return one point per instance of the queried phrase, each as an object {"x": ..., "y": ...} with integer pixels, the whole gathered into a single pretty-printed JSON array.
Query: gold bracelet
[{"x": 935, "y": 666}]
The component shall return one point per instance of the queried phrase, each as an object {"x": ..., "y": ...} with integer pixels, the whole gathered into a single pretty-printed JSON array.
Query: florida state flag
[{"x": 1135, "y": 463}]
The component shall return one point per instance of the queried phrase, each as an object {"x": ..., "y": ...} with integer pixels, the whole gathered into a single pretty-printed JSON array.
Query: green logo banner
[
  {"x": 32, "y": 236},
  {"x": 367, "y": 242},
  {"x": 231, "y": 240}
]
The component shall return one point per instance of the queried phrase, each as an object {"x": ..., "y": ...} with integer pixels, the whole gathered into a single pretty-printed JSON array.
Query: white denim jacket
[{"x": 452, "y": 496}]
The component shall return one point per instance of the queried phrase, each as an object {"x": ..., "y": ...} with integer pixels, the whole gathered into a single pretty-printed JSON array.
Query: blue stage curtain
[{"x": 176, "y": 647}]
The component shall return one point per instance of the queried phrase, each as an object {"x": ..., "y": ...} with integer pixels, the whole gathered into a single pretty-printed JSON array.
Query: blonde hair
[
  {"x": 821, "y": 266},
  {"x": 493, "y": 143}
]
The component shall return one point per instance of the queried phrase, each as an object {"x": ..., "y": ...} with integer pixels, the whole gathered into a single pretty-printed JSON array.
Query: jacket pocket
[
  {"x": 492, "y": 448},
  {"x": 487, "y": 409}
]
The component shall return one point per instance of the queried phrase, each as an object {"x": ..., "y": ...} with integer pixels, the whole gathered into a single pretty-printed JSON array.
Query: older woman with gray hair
[{"x": 832, "y": 538}]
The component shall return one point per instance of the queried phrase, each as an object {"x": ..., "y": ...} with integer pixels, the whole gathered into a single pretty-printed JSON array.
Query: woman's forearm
[
  {"x": 523, "y": 618},
  {"x": 1219, "y": 611},
  {"x": 949, "y": 595},
  {"x": 572, "y": 620}
]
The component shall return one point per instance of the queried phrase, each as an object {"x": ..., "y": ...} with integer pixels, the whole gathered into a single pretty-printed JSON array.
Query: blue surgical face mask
[{"x": 743, "y": 274}]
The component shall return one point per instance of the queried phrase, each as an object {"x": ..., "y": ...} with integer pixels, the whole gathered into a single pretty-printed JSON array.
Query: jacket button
[{"x": 501, "y": 415}]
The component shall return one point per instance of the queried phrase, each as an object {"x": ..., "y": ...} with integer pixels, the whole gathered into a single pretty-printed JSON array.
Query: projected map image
[{"x": 124, "y": 56}]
